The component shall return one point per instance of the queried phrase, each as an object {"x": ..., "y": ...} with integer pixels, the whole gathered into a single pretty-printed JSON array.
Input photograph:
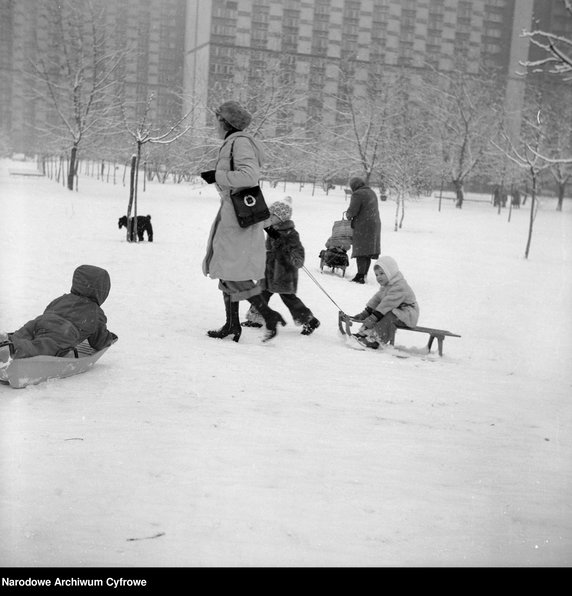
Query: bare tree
[
  {"x": 73, "y": 74},
  {"x": 145, "y": 131},
  {"x": 407, "y": 165},
  {"x": 271, "y": 97},
  {"x": 526, "y": 154},
  {"x": 464, "y": 110},
  {"x": 557, "y": 152},
  {"x": 557, "y": 60},
  {"x": 557, "y": 50},
  {"x": 362, "y": 122}
]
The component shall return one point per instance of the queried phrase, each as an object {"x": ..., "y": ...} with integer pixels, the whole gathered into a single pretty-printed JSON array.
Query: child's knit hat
[{"x": 282, "y": 208}]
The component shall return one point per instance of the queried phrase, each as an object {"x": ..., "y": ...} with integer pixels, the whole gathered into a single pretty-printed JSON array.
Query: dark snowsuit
[
  {"x": 69, "y": 319},
  {"x": 284, "y": 256}
]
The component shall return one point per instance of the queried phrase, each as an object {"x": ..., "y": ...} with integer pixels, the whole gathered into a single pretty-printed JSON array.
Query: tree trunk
[
  {"x": 72, "y": 167},
  {"x": 132, "y": 186},
  {"x": 135, "y": 237},
  {"x": 531, "y": 220},
  {"x": 398, "y": 200},
  {"x": 561, "y": 187},
  {"x": 459, "y": 193}
]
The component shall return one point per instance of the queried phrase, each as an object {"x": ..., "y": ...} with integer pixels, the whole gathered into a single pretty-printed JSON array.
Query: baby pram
[{"x": 335, "y": 255}]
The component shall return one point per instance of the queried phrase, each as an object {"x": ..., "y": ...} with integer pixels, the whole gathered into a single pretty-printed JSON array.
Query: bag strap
[
  {"x": 232, "y": 156},
  {"x": 232, "y": 147}
]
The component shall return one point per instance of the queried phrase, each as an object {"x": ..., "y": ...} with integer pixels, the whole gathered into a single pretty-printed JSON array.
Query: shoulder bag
[{"x": 249, "y": 204}]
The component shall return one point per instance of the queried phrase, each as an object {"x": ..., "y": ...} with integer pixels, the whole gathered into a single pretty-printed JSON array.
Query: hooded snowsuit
[
  {"x": 395, "y": 295},
  {"x": 235, "y": 253},
  {"x": 69, "y": 319}
]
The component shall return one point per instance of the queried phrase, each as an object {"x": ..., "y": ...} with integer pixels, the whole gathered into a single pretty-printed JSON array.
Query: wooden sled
[{"x": 345, "y": 322}]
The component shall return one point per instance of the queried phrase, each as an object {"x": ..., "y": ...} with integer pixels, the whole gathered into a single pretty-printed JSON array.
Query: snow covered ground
[{"x": 181, "y": 450}]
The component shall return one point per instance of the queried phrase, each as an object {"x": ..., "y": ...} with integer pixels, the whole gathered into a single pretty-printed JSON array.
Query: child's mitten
[
  {"x": 363, "y": 314},
  {"x": 374, "y": 318}
]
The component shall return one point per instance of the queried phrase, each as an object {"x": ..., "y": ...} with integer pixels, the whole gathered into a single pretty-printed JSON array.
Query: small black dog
[{"x": 143, "y": 225}]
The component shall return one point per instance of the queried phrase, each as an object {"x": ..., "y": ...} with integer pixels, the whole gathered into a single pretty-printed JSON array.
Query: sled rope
[{"x": 321, "y": 288}]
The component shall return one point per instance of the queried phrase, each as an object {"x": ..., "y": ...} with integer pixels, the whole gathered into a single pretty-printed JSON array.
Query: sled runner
[
  {"x": 345, "y": 322},
  {"x": 21, "y": 372}
]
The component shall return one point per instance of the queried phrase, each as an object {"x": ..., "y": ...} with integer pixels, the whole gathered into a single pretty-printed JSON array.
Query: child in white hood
[{"x": 394, "y": 301}]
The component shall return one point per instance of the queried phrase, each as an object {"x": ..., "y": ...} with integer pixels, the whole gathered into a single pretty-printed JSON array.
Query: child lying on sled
[
  {"x": 66, "y": 322},
  {"x": 394, "y": 301}
]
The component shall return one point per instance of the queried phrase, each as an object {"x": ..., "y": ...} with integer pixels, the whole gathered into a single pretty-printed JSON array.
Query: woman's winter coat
[
  {"x": 284, "y": 256},
  {"x": 235, "y": 253},
  {"x": 395, "y": 295},
  {"x": 69, "y": 319},
  {"x": 363, "y": 212}
]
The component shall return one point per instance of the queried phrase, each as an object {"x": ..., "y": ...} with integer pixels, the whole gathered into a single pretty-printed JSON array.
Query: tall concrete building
[
  {"x": 148, "y": 34},
  {"x": 312, "y": 42},
  {"x": 199, "y": 47}
]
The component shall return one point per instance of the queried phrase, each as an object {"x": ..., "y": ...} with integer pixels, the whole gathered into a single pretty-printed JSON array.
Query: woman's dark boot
[
  {"x": 363, "y": 264},
  {"x": 232, "y": 325},
  {"x": 359, "y": 278},
  {"x": 271, "y": 317}
]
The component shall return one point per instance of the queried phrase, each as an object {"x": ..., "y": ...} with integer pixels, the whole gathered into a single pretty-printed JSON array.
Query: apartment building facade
[
  {"x": 313, "y": 43},
  {"x": 145, "y": 36},
  {"x": 186, "y": 51}
]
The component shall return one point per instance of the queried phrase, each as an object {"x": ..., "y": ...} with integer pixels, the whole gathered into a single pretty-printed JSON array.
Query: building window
[
  {"x": 491, "y": 48},
  {"x": 408, "y": 19}
]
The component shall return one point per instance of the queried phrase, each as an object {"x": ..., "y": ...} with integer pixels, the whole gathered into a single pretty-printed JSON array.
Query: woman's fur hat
[{"x": 234, "y": 114}]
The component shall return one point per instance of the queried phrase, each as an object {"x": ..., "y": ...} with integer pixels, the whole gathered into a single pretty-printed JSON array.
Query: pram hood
[{"x": 339, "y": 242}]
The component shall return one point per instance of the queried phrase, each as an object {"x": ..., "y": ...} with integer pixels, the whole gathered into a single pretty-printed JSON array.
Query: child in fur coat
[
  {"x": 394, "y": 301},
  {"x": 284, "y": 256}
]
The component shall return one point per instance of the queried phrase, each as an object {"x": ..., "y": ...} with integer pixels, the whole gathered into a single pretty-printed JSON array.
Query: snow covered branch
[{"x": 557, "y": 47}]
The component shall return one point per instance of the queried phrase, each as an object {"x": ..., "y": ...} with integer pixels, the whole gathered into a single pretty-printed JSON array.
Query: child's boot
[
  {"x": 271, "y": 317},
  {"x": 253, "y": 318},
  {"x": 365, "y": 341},
  {"x": 310, "y": 326}
]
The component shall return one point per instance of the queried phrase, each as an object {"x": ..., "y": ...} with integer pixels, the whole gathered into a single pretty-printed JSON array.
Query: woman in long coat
[
  {"x": 237, "y": 256},
  {"x": 363, "y": 213}
]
